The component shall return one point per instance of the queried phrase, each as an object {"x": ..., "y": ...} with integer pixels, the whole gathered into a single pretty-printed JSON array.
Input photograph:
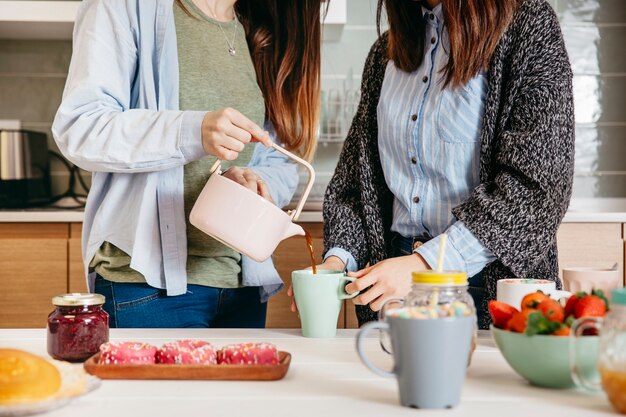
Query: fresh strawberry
[
  {"x": 519, "y": 320},
  {"x": 563, "y": 331},
  {"x": 501, "y": 313},
  {"x": 539, "y": 324},
  {"x": 533, "y": 299},
  {"x": 571, "y": 305},
  {"x": 600, "y": 293},
  {"x": 590, "y": 306},
  {"x": 552, "y": 310}
]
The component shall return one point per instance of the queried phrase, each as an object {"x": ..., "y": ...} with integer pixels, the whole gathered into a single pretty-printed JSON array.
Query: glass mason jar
[
  {"x": 612, "y": 355},
  {"x": 77, "y": 326},
  {"x": 434, "y": 295},
  {"x": 440, "y": 294}
]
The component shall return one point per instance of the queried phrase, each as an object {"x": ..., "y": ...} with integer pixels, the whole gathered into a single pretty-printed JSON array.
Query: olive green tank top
[{"x": 210, "y": 79}]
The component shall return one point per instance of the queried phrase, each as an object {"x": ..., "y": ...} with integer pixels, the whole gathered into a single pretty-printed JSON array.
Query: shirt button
[
  {"x": 414, "y": 117},
  {"x": 425, "y": 78},
  {"x": 416, "y": 199},
  {"x": 433, "y": 40},
  {"x": 414, "y": 160}
]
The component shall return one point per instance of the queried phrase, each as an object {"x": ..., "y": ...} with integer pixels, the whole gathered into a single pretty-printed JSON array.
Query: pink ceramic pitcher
[{"x": 242, "y": 219}]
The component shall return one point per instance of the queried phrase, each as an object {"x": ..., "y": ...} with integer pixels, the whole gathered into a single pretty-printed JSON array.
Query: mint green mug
[{"x": 318, "y": 297}]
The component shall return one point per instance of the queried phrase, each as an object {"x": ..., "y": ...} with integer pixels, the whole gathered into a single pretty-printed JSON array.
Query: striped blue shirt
[{"x": 429, "y": 144}]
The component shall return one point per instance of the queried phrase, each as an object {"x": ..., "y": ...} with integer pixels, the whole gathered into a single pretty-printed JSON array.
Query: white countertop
[
  {"x": 592, "y": 210},
  {"x": 325, "y": 379}
]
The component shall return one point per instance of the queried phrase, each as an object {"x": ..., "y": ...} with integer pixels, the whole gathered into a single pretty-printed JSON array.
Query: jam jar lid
[
  {"x": 78, "y": 299},
  {"x": 431, "y": 277}
]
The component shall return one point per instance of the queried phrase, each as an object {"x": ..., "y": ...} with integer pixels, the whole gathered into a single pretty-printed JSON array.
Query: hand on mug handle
[{"x": 332, "y": 263}]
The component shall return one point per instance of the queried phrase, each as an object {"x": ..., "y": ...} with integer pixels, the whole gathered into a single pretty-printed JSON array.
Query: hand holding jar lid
[{"x": 77, "y": 327}]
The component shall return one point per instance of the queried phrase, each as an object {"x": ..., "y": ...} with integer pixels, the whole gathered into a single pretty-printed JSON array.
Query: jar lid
[
  {"x": 78, "y": 299},
  {"x": 618, "y": 296},
  {"x": 440, "y": 278}
]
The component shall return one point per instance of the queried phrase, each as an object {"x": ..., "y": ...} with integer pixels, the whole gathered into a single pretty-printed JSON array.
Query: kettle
[{"x": 243, "y": 220}]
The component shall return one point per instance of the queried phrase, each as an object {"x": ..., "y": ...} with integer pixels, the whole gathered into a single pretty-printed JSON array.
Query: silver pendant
[{"x": 232, "y": 51}]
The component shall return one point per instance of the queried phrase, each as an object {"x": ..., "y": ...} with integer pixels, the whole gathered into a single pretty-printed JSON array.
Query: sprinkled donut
[
  {"x": 248, "y": 354},
  {"x": 187, "y": 352},
  {"x": 127, "y": 353}
]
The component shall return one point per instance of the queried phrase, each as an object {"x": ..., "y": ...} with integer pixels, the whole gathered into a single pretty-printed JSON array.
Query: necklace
[{"x": 231, "y": 44}]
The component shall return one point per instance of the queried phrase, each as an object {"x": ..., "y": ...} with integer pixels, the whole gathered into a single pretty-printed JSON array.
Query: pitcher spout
[{"x": 293, "y": 230}]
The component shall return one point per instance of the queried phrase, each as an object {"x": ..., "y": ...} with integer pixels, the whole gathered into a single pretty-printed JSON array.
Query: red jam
[{"x": 77, "y": 327}]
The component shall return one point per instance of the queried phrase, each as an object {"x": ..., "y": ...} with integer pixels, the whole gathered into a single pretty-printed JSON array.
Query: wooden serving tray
[{"x": 191, "y": 372}]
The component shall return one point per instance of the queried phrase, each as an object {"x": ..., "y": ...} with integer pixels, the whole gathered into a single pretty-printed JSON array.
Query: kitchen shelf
[
  {"x": 55, "y": 19},
  {"x": 37, "y": 19}
]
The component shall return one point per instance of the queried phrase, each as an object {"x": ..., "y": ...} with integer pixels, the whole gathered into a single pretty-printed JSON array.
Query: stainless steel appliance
[{"x": 24, "y": 169}]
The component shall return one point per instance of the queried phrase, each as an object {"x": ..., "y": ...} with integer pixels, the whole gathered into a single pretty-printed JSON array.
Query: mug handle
[
  {"x": 385, "y": 340},
  {"x": 344, "y": 295},
  {"x": 578, "y": 327},
  {"x": 360, "y": 338}
]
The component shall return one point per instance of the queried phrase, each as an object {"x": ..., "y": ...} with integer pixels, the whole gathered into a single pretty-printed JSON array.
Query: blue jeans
[
  {"x": 402, "y": 246},
  {"x": 140, "y": 305}
]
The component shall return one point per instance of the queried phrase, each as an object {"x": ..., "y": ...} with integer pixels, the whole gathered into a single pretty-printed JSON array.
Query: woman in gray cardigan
[{"x": 465, "y": 126}]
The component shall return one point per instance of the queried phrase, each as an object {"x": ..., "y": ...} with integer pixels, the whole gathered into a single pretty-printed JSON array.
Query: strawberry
[
  {"x": 590, "y": 306},
  {"x": 600, "y": 294},
  {"x": 571, "y": 305},
  {"x": 552, "y": 310},
  {"x": 519, "y": 320},
  {"x": 533, "y": 299},
  {"x": 563, "y": 331},
  {"x": 501, "y": 313}
]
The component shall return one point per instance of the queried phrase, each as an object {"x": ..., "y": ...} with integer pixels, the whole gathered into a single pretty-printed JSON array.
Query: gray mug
[{"x": 430, "y": 358}]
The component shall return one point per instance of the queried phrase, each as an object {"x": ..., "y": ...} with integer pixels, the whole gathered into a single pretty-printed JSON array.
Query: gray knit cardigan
[{"x": 526, "y": 161}]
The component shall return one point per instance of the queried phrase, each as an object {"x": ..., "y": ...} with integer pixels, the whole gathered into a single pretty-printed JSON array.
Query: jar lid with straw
[{"x": 438, "y": 276}]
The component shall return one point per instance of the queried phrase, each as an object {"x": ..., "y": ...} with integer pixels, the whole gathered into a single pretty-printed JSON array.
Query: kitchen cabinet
[
  {"x": 26, "y": 19},
  {"x": 33, "y": 269},
  {"x": 76, "y": 269},
  {"x": 597, "y": 245},
  {"x": 40, "y": 260}
]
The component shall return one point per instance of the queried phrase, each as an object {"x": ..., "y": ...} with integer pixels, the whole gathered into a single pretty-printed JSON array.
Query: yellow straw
[{"x": 442, "y": 251}]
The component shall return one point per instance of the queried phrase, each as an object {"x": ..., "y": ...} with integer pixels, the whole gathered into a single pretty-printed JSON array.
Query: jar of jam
[{"x": 77, "y": 327}]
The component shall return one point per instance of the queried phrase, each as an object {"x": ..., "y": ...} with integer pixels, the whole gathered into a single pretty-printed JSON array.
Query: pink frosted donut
[
  {"x": 187, "y": 352},
  {"x": 248, "y": 354},
  {"x": 127, "y": 353}
]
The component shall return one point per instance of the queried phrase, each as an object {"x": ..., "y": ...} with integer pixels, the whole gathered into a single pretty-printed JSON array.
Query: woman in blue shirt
[
  {"x": 465, "y": 126},
  {"x": 156, "y": 91}
]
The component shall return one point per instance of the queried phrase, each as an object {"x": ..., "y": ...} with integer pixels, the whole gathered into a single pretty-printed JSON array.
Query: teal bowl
[{"x": 545, "y": 360}]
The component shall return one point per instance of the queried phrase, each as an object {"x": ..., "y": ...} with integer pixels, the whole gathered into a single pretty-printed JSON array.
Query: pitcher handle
[
  {"x": 385, "y": 341},
  {"x": 360, "y": 338},
  {"x": 309, "y": 184},
  {"x": 578, "y": 327}
]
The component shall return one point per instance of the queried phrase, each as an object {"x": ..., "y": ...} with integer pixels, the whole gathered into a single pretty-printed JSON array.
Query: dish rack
[{"x": 338, "y": 110}]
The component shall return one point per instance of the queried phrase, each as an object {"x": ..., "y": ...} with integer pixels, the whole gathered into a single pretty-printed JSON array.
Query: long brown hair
[
  {"x": 474, "y": 29},
  {"x": 284, "y": 38}
]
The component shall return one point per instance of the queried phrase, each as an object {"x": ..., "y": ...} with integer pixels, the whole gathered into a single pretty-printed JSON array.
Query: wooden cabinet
[
  {"x": 76, "y": 269},
  {"x": 40, "y": 260},
  {"x": 33, "y": 269},
  {"x": 596, "y": 245}
]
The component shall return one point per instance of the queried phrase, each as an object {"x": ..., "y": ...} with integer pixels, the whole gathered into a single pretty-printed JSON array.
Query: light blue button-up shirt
[
  {"x": 429, "y": 144},
  {"x": 120, "y": 119}
]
